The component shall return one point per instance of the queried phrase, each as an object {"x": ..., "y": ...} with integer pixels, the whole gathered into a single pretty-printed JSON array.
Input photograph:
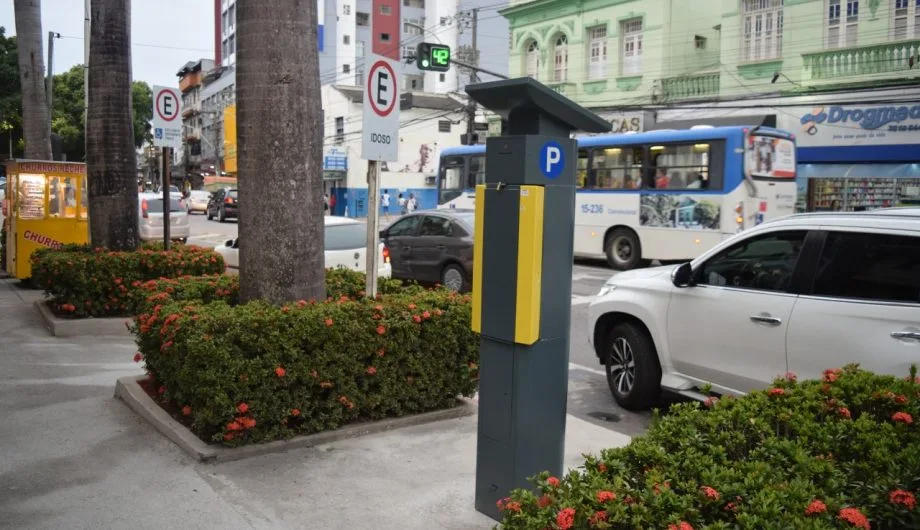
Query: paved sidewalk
[{"x": 72, "y": 456}]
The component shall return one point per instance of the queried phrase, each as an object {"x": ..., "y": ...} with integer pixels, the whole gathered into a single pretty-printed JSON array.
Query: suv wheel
[
  {"x": 207, "y": 211},
  {"x": 221, "y": 216},
  {"x": 633, "y": 372}
]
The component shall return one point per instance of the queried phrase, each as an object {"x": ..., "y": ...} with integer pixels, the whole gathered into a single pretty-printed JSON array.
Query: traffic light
[{"x": 433, "y": 57}]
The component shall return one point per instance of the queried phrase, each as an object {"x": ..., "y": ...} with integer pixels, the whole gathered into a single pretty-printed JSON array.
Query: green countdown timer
[{"x": 433, "y": 57}]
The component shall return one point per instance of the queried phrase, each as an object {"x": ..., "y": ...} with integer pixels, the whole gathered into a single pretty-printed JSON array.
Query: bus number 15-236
[{"x": 592, "y": 208}]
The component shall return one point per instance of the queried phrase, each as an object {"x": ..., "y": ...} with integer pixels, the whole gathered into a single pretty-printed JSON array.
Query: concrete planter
[
  {"x": 129, "y": 390},
  {"x": 81, "y": 327}
]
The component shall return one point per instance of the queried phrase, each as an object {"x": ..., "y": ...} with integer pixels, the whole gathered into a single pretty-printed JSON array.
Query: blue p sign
[{"x": 552, "y": 160}]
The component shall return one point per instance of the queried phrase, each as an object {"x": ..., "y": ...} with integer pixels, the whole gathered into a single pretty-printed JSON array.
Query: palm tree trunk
[
  {"x": 110, "y": 158},
  {"x": 280, "y": 138},
  {"x": 36, "y": 126}
]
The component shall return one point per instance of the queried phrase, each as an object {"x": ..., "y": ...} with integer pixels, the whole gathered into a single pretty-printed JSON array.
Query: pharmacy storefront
[{"x": 856, "y": 157}]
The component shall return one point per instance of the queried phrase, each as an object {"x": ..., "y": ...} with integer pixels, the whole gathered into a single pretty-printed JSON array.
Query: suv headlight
[{"x": 606, "y": 289}]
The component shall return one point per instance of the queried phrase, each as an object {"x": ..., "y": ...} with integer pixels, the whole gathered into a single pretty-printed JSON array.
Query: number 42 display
[{"x": 433, "y": 57}]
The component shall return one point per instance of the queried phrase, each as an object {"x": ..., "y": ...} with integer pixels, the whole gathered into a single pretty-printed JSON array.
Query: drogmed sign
[{"x": 862, "y": 125}]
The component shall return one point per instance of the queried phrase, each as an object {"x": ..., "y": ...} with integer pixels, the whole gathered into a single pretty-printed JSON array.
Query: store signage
[
  {"x": 852, "y": 125},
  {"x": 41, "y": 239}
]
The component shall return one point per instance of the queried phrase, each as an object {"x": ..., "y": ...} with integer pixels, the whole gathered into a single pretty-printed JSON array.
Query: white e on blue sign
[{"x": 552, "y": 160}]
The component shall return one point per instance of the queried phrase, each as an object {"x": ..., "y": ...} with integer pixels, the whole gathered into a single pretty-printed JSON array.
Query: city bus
[{"x": 665, "y": 195}]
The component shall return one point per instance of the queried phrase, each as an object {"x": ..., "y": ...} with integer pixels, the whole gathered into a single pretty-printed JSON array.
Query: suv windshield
[
  {"x": 232, "y": 193},
  {"x": 349, "y": 236}
]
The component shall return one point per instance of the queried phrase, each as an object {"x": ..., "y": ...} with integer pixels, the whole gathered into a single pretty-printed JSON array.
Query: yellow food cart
[{"x": 45, "y": 206}]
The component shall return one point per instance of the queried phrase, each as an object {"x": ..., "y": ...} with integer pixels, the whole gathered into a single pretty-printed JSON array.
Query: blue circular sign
[{"x": 552, "y": 160}]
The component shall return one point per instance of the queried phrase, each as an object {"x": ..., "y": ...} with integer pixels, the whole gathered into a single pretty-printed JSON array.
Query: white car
[
  {"x": 150, "y": 218},
  {"x": 800, "y": 294},
  {"x": 345, "y": 244},
  {"x": 197, "y": 201}
]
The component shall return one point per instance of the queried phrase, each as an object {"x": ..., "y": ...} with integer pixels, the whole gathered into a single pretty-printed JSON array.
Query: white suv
[{"x": 799, "y": 294}]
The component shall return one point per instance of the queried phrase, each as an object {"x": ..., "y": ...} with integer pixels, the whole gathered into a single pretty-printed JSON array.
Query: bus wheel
[{"x": 623, "y": 249}]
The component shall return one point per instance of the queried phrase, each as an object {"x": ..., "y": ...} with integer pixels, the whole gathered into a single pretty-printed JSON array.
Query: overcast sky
[{"x": 165, "y": 34}]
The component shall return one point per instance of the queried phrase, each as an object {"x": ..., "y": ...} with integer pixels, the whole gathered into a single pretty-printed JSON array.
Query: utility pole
[
  {"x": 471, "y": 107},
  {"x": 50, "y": 79}
]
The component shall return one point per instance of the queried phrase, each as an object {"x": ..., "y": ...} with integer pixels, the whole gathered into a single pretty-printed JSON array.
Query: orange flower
[
  {"x": 295, "y": 412},
  {"x": 777, "y": 392},
  {"x": 325, "y": 384},
  {"x": 426, "y": 315},
  {"x": 328, "y": 322},
  {"x": 381, "y": 330},
  {"x": 161, "y": 390},
  {"x": 228, "y": 436},
  {"x": 411, "y": 306},
  {"x": 138, "y": 357},
  {"x": 371, "y": 370},
  {"x": 710, "y": 493},
  {"x": 234, "y": 426},
  {"x": 815, "y": 507},
  {"x": 186, "y": 410},
  {"x": 597, "y": 518},
  {"x": 438, "y": 312},
  {"x": 565, "y": 519},
  {"x": 683, "y": 525},
  {"x": 602, "y": 467},
  {"x": 902, "y": 417},
  {"x": 242, "y": 408},
  {"x": 248, "y": 423},
  {"x": 279, "y": 371},
  {"x": 904, "y": 498},
  {"x": 844, "y": 412},
  {"x": 417, "y": 319},
  {"x": 605, "y": 496},
  {"x": 510, "y": 506},
  {"x": 552, "y": 481},
  {"x": 380, "y": 352},
  {"x": 854, "y": 517},
  {"x": 544, "y": 501}
]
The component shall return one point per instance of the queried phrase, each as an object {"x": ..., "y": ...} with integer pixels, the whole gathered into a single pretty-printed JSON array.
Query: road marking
[
  {"x": 581, "y": 300},
  {"x": 581, "y": 368}
]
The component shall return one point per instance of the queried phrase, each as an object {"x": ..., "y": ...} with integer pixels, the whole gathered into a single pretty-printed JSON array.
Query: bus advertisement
[{"x": 663, "y": 195}]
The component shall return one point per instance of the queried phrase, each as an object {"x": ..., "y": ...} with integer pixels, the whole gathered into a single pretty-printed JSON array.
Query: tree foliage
[{"x": 69, "y": 103}]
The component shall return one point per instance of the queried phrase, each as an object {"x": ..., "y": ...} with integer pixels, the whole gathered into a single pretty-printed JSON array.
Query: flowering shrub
[
  {"x": 85, "y": 282},
  {"x": 773, "y": 459},
  {"x": 256, "y": 372}
]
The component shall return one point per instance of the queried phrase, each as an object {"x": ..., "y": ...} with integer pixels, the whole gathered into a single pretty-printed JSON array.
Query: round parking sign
[{"x": 552, "y": 160}]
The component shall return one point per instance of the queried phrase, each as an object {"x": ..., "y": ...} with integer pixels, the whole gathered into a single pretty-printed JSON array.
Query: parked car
[
  {"x": 150, "y": 219},
  {"x": 345, "y": 243},
  {"x": 223, "y": 205},
  {"x": 799, "y": 294},
  {"x": 198, "y": 201},
  {"x": 433, "y": 247}
]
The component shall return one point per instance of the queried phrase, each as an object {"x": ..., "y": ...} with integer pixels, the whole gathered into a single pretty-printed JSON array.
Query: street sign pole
[
  {"x": 165, "y": 184},
  {"x": 373, "y": 223},
  {"x": 380, "y": 128}
]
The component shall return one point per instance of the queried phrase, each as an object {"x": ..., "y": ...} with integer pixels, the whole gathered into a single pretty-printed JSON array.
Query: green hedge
[
  {"x": 87, "y": 282},
  {"x": 256, "y": 372},
  {"x": 839, "y": 453}
]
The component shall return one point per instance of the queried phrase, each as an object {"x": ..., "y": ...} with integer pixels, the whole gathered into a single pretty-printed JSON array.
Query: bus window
[
  {"x": 581, "y": 170},
  {"x": 477, "y": 171},
  {"x": 617, "y": 168},
  {"x": 681, "y": 167},
  {"x": 451, "y": 178}
]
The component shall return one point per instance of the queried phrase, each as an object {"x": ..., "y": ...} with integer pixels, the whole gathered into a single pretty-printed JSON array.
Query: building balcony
[
  {"x": 690, "y": 86},
  {"x": 562, "y": 87},
  {"x": 892, "y": 58}
]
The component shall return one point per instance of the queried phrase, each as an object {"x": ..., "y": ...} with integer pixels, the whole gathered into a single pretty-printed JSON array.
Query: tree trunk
[
  {"x": 280, "y": 138},
  {"x": 35, "y": 123},
  {"x": 110, "y": 158}
]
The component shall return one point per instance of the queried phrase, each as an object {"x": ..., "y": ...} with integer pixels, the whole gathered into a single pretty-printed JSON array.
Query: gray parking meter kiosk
[{"x": 522, "y": 283}]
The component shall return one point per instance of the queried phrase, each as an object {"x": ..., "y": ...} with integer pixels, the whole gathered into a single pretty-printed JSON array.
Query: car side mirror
[
  {"x": 682, "y": 276},
  {"x": 383, "y": 234},
  {"x": 229, "y": 243}
]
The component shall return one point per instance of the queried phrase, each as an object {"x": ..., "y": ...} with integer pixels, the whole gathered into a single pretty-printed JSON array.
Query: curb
[
  {"x": 128, "y": 390},
  {"x": 85, "y": 327}
]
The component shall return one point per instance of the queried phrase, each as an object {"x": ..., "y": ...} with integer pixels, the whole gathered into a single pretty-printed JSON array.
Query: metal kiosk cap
[{"x": 526, "y": 205}]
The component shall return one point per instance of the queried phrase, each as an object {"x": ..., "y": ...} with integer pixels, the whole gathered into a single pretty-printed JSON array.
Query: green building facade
[{"x": 621, "y": 53}]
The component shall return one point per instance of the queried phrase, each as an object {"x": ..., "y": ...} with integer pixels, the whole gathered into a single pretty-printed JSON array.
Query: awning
[
  {"x": 859, "y": 170},
  {"x": 766, "y": 120}
]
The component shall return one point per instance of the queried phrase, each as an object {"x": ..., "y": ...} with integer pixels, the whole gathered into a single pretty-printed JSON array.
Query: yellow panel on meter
[
  {"x": 529, "y": 265},
  {"x": 478, "y": 231}
]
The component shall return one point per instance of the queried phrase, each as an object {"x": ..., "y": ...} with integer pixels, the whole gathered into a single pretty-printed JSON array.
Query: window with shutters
[
  {"x": 842, "y": 23},
  {"x": 632, "y": 46},
  {"x": 561, "y": 58},
  {"x": 444, "y": 126},
  {"x": 532, "y": 60},
  {"x": 905, "y": 23},
  {"x": 761, "y": 30},
  {"x": 597, "y": 52}
]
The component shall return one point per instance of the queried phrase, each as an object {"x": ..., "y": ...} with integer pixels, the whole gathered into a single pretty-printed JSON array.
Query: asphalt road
[{"x": 589, "y": 397}]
